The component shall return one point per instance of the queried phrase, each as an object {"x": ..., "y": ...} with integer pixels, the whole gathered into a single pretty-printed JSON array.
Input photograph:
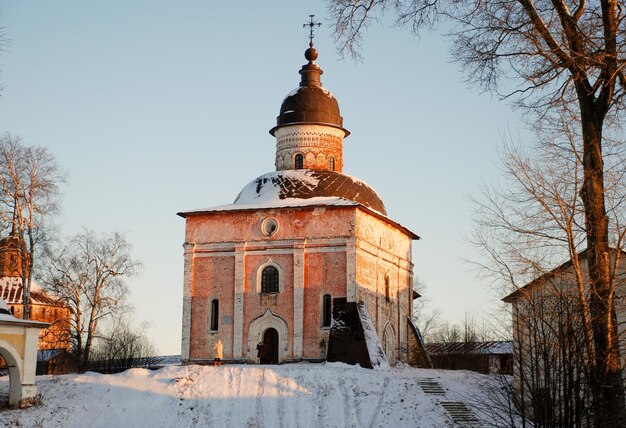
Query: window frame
[
  {"x": 327, "y": 310},
  {"x": 214, "y": 315},
  {"x": 273, "y": 279},
  {"x": 387, "y": 289},
  {"x": 298, "y": 161}
]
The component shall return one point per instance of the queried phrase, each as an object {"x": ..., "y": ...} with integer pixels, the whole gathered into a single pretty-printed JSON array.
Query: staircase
[{"x": 461, "y": 415}]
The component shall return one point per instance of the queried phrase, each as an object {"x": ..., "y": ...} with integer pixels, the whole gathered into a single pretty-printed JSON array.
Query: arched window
[
  {"x": 269, "y": 280},
  {"x": 299, "y": 161},
  {"x": 331, "y": 163},
  {"x": 387, "y": 293},
  {"x": 215, "y": 314},
  {"x": 327, "y": 310}
]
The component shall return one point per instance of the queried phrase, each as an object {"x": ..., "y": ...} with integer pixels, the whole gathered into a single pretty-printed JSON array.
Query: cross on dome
[{"x": 311, "y": 24}]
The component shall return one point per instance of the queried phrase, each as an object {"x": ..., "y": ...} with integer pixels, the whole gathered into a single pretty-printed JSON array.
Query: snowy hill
[{"x": 292, "y": 395}]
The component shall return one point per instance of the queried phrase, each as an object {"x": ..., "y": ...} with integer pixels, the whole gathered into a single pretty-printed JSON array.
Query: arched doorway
[
  {"x": 389, "y": 344},
  {"x": 256, "y": 336},
  {"x": 270, "y": 340}
]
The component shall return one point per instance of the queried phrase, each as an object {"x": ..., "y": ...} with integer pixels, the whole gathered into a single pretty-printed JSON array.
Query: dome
[
  {"x": 310, "y": 103},
  {"x": 308, "y": 184}
]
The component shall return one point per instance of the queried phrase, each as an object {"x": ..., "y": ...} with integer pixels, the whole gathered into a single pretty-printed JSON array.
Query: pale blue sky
[{"x": 155, "y": 107}]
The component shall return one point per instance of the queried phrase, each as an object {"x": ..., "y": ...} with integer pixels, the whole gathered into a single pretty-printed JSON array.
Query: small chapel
[{"x": 305, "y": 264}]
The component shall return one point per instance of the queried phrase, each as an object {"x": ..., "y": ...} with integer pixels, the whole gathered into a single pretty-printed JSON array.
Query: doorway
[{"x": 270, "y": 340}]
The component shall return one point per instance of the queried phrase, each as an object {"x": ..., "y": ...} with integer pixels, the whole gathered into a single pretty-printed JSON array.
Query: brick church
[{"x": 305, "y": 264}]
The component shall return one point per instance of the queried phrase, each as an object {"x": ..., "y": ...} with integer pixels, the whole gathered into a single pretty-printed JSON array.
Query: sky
[{"x": 156, "y": 107}]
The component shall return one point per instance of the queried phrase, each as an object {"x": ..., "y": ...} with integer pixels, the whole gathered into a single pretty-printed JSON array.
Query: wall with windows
[
  {"x": 213, "y": 276},
  {"x": 343, "y": 252},
  {"x": 385, "y": 268}
]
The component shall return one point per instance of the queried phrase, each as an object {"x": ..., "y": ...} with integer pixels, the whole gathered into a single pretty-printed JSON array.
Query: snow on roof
[
  {"x": 305, "y": 188},
  {"x": 11, "y": 292},
  {"x": 269, "y": 190},
  {"x": 280, "y": 203}
]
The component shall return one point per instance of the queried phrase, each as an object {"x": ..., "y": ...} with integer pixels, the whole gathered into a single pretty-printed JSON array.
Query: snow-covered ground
[{"x": 291, "y": 395}]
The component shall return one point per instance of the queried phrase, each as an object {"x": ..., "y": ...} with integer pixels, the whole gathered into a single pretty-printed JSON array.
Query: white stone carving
[
  {"x": 315, "y": 142},
  {"x": 298, "y": 299},
  {"x": 258, "y": 327},
  {"x": 240, "y": 278},
  {"x": 259, "y": 275}
]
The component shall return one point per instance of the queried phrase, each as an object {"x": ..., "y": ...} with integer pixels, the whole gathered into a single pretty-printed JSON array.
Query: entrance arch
[
  {"x": 270, "y": 340},
  {"x": 18, "y": 348},
  {"x": 257, "y": 331},
  {"x": 13, "y": 362}
]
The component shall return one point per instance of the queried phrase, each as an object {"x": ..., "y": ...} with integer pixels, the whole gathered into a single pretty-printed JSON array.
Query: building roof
[
  {"x": 308, "y": 184},
  {"x": 493, "y": 347},
  {"x": 11, "y": 292},
  {"x": 547, "y": 276},
  {"x": 310, "y": 103},
  {"x": 306, "y": 188}
]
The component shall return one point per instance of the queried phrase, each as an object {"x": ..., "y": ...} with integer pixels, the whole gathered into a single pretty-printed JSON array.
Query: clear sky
[{"x": 155, "y": 107}]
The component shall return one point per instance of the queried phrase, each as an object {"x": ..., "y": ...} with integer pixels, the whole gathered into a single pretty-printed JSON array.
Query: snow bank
[{"x": 291, "y": 395}]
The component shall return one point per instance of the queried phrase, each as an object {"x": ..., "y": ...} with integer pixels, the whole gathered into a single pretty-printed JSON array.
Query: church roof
[
  {"x": 310, "y": 103},
  {"x": 11, "y": 292},
  {"x": 306, "y": 187},
  {"x": 307, "y": 184}
]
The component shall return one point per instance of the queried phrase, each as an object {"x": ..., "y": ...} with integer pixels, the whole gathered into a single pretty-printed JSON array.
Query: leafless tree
[
  {"x": 121, "y": 345},
  {"x": 89, "y": 275},
  {"x": 426, "y": 319},
  {"x": 3, "y": 43},
  {"x": 526, "y": 228},
  {"x": 567, "y": 55},
  {"x": 29, "y": 197}
]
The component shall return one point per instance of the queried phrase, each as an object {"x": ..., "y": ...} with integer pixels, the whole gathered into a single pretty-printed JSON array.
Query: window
[
  {"x": 269, "y": 226},
  {"x": 327, "y": 310},
  {"x": 331, "y": 163},
  {"x": 299, "y": 162},
  {"x": 269, "y": 280},
  {"x": 215, "y": 314},
  {"x": 387, "y": 296}
]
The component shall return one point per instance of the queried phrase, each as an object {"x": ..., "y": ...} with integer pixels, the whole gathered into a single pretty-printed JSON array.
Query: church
[{"x": 305, "y": 264}]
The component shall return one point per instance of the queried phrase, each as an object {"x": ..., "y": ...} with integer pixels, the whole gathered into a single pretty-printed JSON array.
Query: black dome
[{"x": 310, "y": 103}]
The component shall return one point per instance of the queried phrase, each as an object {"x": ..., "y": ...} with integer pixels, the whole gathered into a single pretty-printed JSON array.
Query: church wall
[
  {"x": 297, "y": 223},
  {"x": 325, "y": 273},
  {"x": 212, "y": 279},
  {"x": 384, "y": 254},
  {"x": 325, "y": 239},
  {"x": 256, "y": 304}
]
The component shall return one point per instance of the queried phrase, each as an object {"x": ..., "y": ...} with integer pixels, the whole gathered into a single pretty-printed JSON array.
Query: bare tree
[
  {"x": 121, "y": 346},
  {"x": 89, "y": 276},
  {"x": 566, "y": 55},
  {"x": 3, "y": 43},
  {"x": 526, "y": 227},
  {"x": 29, "y": 198},
  {"x": 426, "y": 319}
]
